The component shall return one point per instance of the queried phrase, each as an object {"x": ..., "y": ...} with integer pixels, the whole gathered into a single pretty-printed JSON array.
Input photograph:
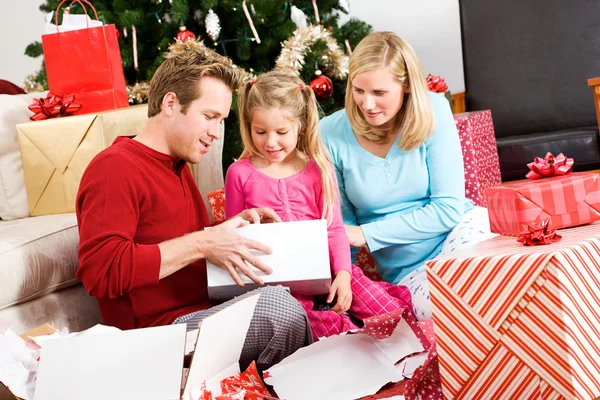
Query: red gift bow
[
  {"x": 549, "y": 166},
  {"x": 537, "y": 233},
  {"x": 436, "y": 84},
  {"x": 53, "y": 106}
]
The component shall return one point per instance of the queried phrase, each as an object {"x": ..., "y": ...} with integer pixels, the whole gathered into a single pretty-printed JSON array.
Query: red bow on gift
[
  {"x": 538, "y": 233},
  {"x": 436, "y": 84},
  {"x": 549, "y": 166},
  {"x": 53, "y": 106}
]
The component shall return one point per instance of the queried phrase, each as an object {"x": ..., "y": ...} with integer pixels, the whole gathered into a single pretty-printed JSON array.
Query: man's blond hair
[{"x": 181, "y": 72}]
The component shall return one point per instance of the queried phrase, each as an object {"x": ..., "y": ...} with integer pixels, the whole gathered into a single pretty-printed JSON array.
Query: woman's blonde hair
[
  {"x": 287, "y": 92},
  {"x": 415, "y": 118}
]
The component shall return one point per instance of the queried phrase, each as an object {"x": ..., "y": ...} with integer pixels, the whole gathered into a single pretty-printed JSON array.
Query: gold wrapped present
[{"x": 55, "y": 153}]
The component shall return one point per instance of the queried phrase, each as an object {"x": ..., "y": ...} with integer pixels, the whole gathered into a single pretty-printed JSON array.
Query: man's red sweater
[{"x": 130, "y": 199}]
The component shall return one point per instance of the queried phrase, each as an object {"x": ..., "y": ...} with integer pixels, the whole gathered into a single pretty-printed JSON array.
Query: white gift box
[
  {"x": 145, "y": 363},
  {"x": 300, "y": 260}
]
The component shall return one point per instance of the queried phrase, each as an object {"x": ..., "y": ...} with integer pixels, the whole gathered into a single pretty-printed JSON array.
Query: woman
[{"x": 398, "y": 161}]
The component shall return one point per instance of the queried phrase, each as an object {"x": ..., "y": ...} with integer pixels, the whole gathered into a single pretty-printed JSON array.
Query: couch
[
  {"x": 529, "y": 62},
  {"x": 38, "y": 255}
]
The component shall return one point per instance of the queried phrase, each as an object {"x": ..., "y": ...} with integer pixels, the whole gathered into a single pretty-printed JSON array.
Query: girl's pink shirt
[{"x": 295, "y": 198}]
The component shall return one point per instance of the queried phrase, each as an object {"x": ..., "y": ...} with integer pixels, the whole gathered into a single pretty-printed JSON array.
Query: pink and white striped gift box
[
  {"x": 568, "y": 200},
  {"x": 519, "y": 322}
]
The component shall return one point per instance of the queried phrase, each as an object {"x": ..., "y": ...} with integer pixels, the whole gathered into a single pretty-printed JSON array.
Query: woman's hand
[
  {"x": 341, "y": 287},
  {"x": 259, "y": 215},
  {"x": 355, "y": 235}
]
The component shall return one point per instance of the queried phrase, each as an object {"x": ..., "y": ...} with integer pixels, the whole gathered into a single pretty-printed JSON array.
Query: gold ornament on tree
[
  {"x": 291, "y": 59},
  {"x": 138, "y": 93},
  {"x": 179, "y": 46},
  {"x": 30, "y": 84}
]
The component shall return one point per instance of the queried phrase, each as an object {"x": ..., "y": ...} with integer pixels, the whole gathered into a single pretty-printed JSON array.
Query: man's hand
[
  {"x": 341, "y": 287},
  {"x": 259, "y": 215},
  {"x": 232, "y": 252},
  {"x": 356, "y": 237}
]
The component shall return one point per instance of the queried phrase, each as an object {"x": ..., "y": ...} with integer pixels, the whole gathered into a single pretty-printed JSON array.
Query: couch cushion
[
  {"x": 38, "y": 255},
  {"x": 13, "y": 198},
  {"x": 517, "y": 151},
  {"x": 72, "y": 308}
]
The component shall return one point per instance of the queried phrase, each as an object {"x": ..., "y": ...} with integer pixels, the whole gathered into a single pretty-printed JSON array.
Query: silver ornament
[
  {"x": 213, "y": 25},
  {"x": 344, "y": 5},
  {"x": 299, "y": 18}
]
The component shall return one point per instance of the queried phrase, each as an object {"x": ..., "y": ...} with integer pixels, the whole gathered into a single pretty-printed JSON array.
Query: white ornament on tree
[
  {"x": 299, "y": 18},
  {"x": 344, "y": 5},
  {"x": 213, "y": 25}
]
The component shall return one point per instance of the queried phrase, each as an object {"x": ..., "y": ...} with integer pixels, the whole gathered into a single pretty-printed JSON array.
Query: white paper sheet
[
  {"x": 135, "y": 364},
  {"x": 412, "y": 363},
  {"x": 343, "y": 367},
  {"x": 18, "y": 363},
  {"x": 70, "y": 22},
  {"x": 220, "y": 342},
  {"x": 402, "y": 342},
  {"x": 300, "y": 259}
]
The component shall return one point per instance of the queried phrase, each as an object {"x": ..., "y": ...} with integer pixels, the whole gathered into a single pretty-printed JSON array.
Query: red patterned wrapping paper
[
  {"x": 216, "y": 203},
  {"x": 567, "y": 200},
  {"x": 480, "y": 154}
]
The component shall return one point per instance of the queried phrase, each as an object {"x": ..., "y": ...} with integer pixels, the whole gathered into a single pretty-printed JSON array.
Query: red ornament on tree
[
  {"x": 322, "y": 86},
  {"x": 184, "y": 35}
]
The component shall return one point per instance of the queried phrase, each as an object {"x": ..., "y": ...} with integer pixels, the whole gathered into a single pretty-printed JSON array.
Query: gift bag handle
[{"x": 82, "y": 6}]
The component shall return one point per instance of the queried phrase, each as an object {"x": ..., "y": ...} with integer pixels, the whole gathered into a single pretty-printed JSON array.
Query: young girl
[{"x": 286, "y": 167}]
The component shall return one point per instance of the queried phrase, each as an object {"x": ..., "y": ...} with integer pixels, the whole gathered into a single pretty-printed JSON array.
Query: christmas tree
[{"x": 259, "y": 35}]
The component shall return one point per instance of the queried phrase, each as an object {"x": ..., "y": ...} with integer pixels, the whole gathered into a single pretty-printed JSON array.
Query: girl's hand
[
  {"x": 260, "y": 215},
  {"x": 356, "y": 237},
  {"x": 341, "y": 287}
]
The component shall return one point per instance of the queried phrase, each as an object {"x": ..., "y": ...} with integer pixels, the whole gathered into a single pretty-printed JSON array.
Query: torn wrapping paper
[
  {"x": 19, "y": 357},
  {"x": 245, "y": 386},
  {"x": 354, "y": 365}
]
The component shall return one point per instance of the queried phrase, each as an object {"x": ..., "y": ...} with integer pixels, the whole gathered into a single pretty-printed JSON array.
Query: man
[{"x": 141, "y": 218}]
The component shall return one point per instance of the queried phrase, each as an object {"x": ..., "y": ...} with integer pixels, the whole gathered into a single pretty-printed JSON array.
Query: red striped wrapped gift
[
  {"x": 568, "y": 200},
  {"x": 519, "y": 322}
]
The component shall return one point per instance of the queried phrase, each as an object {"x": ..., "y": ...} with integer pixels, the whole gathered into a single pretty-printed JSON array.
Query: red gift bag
[{"x": 86, "y": 63}]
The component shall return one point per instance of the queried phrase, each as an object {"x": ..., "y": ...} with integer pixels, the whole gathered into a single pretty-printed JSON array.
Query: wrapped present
[
  {"x": 56, "y": 151},
  {"x": 519, "y": 322},
  {"x": 365, "y": 261},
  {"x": 216, "y": 203},
  {"x": 568, "y": 200},
  {"x": 480, "y": 154}
]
